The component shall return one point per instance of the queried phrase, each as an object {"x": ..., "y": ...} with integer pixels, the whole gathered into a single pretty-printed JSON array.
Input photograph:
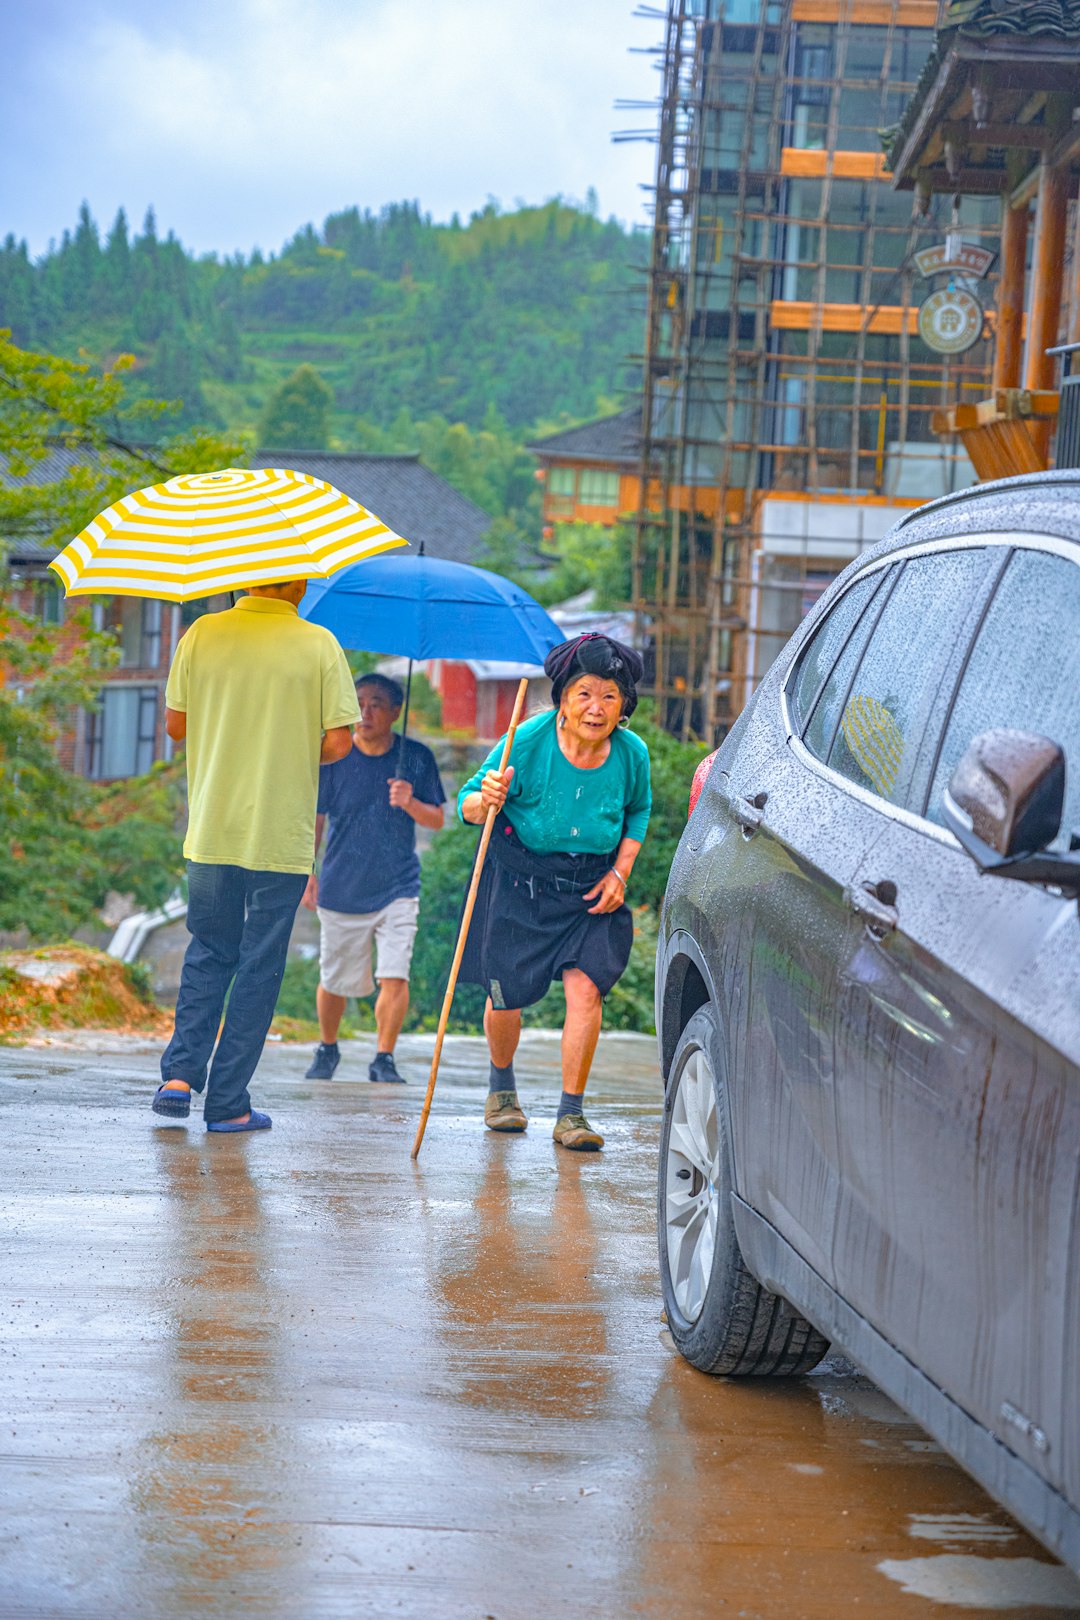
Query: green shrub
[
  {"x": 673, "y": 765},
  {"x": 445, "y": 873},
  {"x": 140, "y": 978},
  {"x": 296, "y": 998}
]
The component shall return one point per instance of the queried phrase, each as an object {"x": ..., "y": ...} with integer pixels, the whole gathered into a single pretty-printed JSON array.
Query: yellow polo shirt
[{"x": 259, "y": 686}]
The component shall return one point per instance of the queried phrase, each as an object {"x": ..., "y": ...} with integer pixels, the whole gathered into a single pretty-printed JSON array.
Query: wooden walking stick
[{"x": 463, "y": 933}]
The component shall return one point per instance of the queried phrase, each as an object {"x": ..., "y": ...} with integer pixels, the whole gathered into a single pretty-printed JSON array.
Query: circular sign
[{"x": 951, "y": 320}]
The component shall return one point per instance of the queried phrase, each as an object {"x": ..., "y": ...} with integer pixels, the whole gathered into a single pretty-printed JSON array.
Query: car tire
[{"x": 721, "y": 1319}]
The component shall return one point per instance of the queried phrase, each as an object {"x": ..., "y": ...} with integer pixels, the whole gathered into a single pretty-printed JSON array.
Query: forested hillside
[{"x": 519, "y": 318}]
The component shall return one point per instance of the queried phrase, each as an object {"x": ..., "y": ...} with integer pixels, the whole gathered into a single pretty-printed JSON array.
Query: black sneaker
[
  {"x": 382, "y": 1068},
  {"x": 327, "y": 1057}
]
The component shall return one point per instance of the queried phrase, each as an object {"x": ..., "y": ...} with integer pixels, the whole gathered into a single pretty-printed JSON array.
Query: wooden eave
[
  {"x": 1018, "y": 73},
  {"x": 581, "y": 458}
]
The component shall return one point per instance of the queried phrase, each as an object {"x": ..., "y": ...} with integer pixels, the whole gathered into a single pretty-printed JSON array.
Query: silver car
[{"x": 868, "y": 1000}]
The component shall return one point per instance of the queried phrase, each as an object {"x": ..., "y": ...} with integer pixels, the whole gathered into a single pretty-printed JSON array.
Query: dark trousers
[{"x": 240, "y": 923}]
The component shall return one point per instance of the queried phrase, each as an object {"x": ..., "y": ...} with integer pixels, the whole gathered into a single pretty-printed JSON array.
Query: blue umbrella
[{"x": 422, "y": 607}]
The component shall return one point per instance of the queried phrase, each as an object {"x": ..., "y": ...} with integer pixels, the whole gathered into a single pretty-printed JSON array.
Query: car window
[
  {"x": 826, "y": 645},
  {"x": 923, "y": 633},
  {"x": 826, "y": 712},
  {"x": 1024, "y": 671}
]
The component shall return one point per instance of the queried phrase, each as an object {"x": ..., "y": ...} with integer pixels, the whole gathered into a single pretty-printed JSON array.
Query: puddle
[
  {"x": 950, "y": 1528},
  {"x": 863, "y": 1400},
  {"x": 986, "y": 1583}
]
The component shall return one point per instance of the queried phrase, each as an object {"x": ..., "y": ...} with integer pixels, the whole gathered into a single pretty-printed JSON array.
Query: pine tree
[
  {"x": 117, "y": 264},
  {"x": 175, "y": 376},
  {"x": 296, "y": 416},
  {"x": 227, "y": 353},
  {"x": 18, "y": 298}
]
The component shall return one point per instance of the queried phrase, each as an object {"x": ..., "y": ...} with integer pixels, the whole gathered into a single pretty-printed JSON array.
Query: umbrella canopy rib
[{"x": 429, "y": 608}]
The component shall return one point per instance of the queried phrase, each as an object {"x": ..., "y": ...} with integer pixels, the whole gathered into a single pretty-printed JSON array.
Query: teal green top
[{"x": 553, "y": 805}]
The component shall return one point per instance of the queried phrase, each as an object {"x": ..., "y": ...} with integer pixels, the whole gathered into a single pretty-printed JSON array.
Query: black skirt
[{"x": 531, "y": 923}]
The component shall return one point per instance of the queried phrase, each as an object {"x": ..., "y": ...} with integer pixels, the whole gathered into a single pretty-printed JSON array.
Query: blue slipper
[
  {"x": 177, "y": 1104},
  {"x": 257, "y": 1122}
]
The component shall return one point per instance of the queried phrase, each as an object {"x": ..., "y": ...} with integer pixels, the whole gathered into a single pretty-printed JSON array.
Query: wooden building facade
[{"x": 996, "y": 114}]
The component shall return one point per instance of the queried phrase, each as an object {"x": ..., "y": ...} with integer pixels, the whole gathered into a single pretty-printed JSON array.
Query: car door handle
[
  {"x": 875, "y": 903},
  {"x": 748, "y": 813}
]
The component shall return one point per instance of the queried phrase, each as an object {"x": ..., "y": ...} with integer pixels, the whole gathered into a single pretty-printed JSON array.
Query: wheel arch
[{"x": 687, "y": 986}]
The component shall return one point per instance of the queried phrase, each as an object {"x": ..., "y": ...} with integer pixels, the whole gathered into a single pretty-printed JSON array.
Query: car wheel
[{"x": 720, "y": 1317}]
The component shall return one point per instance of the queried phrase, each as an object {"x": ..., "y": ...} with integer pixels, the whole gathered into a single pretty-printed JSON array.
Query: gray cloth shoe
[
  {"x": 574, "y": 1131},
  {"x": 503, "y": 1112}
]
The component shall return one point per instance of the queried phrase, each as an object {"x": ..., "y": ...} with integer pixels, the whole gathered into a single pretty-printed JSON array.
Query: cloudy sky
[{"x": 240, "y": 120}]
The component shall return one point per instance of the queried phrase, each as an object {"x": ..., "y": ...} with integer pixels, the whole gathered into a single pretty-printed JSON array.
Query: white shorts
[{"x": 345, "y": 941}]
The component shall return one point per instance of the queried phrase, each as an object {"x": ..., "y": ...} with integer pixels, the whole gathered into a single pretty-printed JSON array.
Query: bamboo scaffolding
[{"x": 740, "y": 404}]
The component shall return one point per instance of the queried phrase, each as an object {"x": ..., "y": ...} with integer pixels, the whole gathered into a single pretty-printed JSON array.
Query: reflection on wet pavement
[
  {"x": 220, "y": 1355},
  {"x": 298, "y": 1375}
]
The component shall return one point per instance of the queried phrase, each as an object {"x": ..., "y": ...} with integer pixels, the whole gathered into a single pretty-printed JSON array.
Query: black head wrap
[{"x": 594, "y": 654}]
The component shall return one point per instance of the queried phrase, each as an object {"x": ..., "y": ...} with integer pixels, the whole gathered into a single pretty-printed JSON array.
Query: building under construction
[
  {"x": 787, "y": 394},
  {"x": 820, "y": 343}
]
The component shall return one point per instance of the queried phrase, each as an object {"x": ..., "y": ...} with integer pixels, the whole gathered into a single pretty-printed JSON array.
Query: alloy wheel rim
[{"x": 691, "y": 1186}]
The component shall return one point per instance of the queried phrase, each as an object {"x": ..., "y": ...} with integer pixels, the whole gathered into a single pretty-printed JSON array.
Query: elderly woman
[{"x": 573, "y": 807}]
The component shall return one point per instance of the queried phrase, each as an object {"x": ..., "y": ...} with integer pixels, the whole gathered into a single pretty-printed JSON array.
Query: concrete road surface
[{"x": 295, "y": 1375}]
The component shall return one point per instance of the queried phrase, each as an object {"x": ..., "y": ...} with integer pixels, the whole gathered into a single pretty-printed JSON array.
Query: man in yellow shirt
[{"x": 263, "y": 699}]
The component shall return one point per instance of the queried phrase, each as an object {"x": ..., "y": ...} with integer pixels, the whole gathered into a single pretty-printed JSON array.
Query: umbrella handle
[
  {"x": 405, "y": 721},
  {"x": 463, "y": 933}
]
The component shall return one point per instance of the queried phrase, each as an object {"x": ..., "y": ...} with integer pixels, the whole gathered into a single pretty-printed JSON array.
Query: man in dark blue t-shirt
[{"x": 369, "y": 888}]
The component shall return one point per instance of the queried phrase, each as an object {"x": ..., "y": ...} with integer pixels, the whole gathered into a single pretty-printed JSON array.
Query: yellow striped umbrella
[
  {"x": 876, "y": 741},
  {"x": 207, "y": 532}
]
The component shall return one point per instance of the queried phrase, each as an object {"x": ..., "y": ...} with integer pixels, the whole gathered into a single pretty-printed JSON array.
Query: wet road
[{"x": 295, "y": 1375}]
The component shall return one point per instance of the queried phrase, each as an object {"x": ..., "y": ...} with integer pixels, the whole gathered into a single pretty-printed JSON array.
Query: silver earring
[
  {"x": 562, "y": 722},
  {"x": 624, "y": 722}
]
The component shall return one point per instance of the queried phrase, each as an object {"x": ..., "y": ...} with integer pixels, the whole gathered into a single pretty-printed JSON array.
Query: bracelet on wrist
[{"x": 617, "y": 874}]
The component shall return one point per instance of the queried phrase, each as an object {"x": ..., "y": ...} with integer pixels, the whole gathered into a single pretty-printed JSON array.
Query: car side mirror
[
  {"x": 1004, "y": 805},
  {"x": 1012, "y": 786}
]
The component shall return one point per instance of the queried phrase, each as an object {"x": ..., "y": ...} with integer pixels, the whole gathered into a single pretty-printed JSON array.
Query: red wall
[
  {"x": 506, "y": 692},
  {"x": 457, "y": 685},
  {"x": 479, "y": 708}
]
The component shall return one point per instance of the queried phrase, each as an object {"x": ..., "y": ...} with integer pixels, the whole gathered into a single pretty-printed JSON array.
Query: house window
[
  {"x": 597, "y": 488},
  {"x": 122, "y": 732},
  {"x": 50, "y": 601},
  {"x": 128, "y": 627},
  {"x": 151, "y": 634},
  {"x": 562, "y": 482},
  {"x": 138, "y": 626}
]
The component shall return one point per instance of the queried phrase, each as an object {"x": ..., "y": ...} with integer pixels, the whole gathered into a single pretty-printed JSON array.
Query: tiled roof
[
  {"x": 981, "y": 19},
  {"x": 1060, "y": 17},
  {"x": 29, "y": 549},
  {"x": 30, "y": 553},
  {"x": 609, "y": 438},
  {"x": 413, "y": 500},
  {"x": 63, "y": 459}
]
